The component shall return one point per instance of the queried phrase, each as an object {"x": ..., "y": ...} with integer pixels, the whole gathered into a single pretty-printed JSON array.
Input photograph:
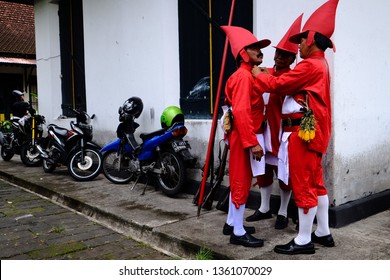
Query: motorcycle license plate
[{"x": 179, "y": 145}]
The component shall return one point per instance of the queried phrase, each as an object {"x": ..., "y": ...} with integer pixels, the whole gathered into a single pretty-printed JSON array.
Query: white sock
[
  {"x": 229, "y": 219},
  {"x": 238, "y": 220},
  {"x": 322, "y": 216},
  {"x": 305, "y": 226},
  {"x": 284, "y": 200},
  {"x": 265, "y": 198}
]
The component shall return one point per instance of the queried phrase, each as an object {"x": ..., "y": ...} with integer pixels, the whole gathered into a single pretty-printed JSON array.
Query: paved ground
[
  {"x": 172, "y": 226},
  {"x": 34, "y": 228}
]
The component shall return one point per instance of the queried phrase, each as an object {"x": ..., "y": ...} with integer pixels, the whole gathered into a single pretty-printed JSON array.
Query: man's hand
[
  {"x": 257, "y": 70},
  {"x": 257, "y": 152}
]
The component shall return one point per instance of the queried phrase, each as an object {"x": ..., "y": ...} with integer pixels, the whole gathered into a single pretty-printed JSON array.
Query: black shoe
[
  {"x": 228, "y": 230},
  {"x": 246, "y": 240},
  {"x": 257, "y": 216},
  {"x": 281, "y": 222},
  {"x": 326, "y": 240},
  {"x": 293, "y": 249}
]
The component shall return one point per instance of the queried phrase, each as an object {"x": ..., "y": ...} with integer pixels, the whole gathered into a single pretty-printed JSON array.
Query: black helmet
[
  {"x": 17, "y": 93},
  {"x": 133, "y": 106}
]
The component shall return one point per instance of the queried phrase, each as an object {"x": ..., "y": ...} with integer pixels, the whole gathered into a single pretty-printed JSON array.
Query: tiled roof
[{"x": 17, "y": 29}]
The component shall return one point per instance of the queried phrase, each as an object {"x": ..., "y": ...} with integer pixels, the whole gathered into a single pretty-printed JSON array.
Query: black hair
[
  {"x": 293, "y": 55},
  {"x": 239, "y": 59},
  {"x": 321, "y": 41}
]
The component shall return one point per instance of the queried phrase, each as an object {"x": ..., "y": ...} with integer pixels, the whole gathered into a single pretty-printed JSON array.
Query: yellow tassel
[
  {"x": 308, "y": 125},
  {"x": 307, "y": 136},
  {"x": 227, "y": 125}
]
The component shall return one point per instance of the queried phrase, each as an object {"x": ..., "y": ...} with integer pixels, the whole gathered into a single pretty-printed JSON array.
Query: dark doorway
[
  {"x": 72, "y": 55},
  {"x": 9, "y": 82},
  {"x": 200, "y": 60}
]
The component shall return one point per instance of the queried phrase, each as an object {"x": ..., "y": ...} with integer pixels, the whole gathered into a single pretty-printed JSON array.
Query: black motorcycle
[
  {"x": 23, "y": 139},
  {"x": 73, "y": 148}
]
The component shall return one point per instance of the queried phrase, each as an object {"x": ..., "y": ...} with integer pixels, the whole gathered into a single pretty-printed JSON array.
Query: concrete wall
[
  {"x": 132, "y": 48},
  {"x": 134, "y": 53},
  {"x": 48, "y": 59}
]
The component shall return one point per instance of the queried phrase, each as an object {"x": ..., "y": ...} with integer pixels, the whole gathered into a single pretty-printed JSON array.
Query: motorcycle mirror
[{"x": 92, "y": 116}]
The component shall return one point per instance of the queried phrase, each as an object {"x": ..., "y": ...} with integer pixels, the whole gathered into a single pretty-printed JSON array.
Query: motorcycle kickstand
[
  {"x": 136, "y": 182},
  {"x": 146, "y": 185},
  {"x": 139, "y": 176}
]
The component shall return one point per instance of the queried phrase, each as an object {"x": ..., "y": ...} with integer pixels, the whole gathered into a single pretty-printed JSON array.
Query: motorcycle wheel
[
  {"x": 30, "y": 156},
  {"x": 48, "y": 166},
  {"x": 172, "y": 176},
  {"x": 113, "y": 172},
  {"x": 88, "y": 169},
  {"x": 6, "y": 153}
]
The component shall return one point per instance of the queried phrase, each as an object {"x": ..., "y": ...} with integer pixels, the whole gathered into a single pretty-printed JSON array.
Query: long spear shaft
[{"x": 215, "y": 116}]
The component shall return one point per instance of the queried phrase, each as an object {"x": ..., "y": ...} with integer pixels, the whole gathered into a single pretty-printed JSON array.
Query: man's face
[
  {"x": 255, "y": 54},
  {"x": 283, "y": 59},
  {"x": 303, "y": 48}
]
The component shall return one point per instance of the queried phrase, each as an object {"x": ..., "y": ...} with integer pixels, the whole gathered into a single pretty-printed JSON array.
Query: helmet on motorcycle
[
  {"x": 17, "y": 93},
  {"x": 133, "y": 106},
  {"x": 171, "y": 115}
]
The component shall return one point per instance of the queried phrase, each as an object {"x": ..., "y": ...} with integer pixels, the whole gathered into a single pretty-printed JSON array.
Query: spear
[{"x": 215, "y": 116}]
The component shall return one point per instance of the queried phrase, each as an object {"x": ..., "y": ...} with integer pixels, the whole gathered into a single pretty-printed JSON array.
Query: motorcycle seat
[
  {"x": 59, "y": 130},
  {"x": 147, "y": 136}
]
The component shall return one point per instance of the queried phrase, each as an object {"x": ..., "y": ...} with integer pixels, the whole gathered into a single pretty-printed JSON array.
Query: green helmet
[{"x": 171, "y": 115}]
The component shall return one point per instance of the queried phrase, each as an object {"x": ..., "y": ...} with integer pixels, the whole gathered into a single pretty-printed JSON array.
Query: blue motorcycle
[{"x": 162, "y": 154}]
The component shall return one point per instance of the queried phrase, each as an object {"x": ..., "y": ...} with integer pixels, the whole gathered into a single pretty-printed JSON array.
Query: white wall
[
  {"x": 361, "y": 98},
  {"x": 48, "y": 59},
  {"x": 131, "y": 49}
]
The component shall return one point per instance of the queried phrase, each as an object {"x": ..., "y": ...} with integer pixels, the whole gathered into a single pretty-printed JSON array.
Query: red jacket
[
  {"x": 248, "y": 108},
  {"x": 310, "y": 76}
]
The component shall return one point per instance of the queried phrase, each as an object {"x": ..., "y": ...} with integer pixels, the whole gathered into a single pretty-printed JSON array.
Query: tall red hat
[
  {"x": 240, "y": 38},
  {"x": 285, "y": 44},
  {"x": 322, "y": 21}
]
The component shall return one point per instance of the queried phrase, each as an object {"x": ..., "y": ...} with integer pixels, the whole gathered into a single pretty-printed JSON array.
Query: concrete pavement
[{"x": 171, "y": 225}]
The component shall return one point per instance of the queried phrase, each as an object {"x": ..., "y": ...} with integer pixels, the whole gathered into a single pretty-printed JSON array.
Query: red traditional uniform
[
  {"x": 308, "y": 81},
  {"x": 272, "y": 133},
  {"x": 310, "y": 76},
  {"x": 248, "y": 111},
  {"x": 273, "y": 110}
]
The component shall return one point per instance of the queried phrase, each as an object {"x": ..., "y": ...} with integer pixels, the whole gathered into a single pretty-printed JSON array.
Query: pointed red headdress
[
  {"x": 239, "y": 38},
  {"x": 322, "y": 21},
  {"x": 285, "y": 44}
]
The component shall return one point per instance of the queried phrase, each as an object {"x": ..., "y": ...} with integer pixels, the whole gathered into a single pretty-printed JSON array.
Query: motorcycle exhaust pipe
[{"x": 42, "y": 152}]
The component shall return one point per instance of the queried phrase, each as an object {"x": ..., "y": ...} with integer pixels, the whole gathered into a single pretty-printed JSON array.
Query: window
[
  {"x": 72, "y": 56},
  {"x": 201, "y": 51}
]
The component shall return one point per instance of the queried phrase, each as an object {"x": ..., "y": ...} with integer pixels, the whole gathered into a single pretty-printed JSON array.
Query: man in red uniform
[
  {"x": 247, "y": 107},
  {"x": 308, "y": 84},
  {"x": 285, "y": 55}
]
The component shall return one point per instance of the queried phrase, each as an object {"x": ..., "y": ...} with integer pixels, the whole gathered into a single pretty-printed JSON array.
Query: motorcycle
[
  {"x": 162, "y": 154},
  {"x": 73, "y": 148},
  {"x": 23, "y": 139}
]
